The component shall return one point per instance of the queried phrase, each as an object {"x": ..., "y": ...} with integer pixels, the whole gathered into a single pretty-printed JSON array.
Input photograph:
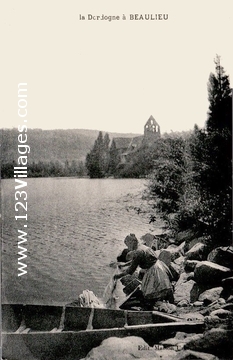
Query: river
[{"x": 75, "y": 228}]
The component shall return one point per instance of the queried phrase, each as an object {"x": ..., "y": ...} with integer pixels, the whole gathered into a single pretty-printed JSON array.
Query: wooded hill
[
  {"x": 58, "y": 152},
  {"x": 51, "y": 145}
]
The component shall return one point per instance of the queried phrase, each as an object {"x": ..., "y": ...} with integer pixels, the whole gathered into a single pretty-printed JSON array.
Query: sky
[{"x": 112, "y": 75}]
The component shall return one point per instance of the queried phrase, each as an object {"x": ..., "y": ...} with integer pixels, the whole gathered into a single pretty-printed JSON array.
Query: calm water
[{"x": 76, "y": 227}]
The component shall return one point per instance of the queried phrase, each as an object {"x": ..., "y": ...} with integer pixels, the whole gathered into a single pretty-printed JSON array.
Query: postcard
[{"x": 99, "y": 101}]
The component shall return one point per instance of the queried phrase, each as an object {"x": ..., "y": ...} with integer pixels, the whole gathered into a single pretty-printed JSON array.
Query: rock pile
[
  {"x": 203, "y": 290},
  {"x": 203, "y": 277}
]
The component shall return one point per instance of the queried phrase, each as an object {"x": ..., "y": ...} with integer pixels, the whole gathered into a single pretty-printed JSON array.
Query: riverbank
[{"x": 203, "y": 291}]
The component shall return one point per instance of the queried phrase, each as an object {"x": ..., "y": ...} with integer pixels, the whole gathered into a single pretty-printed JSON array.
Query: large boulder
[
  {"x": 198, "y": 303},
  {"x": 196, "y": 240},
  {"x": 221, "y": 313},
  {"x": 166, "y": 307},
  {"x": 216, "y": 341},
  {"x": 178, "y": 341},
  {"x": 189, "y": 265},
  {"x": 179, "y": 261},
  {"x": 210, "y": 295},
  {"x": 213, "y": 321},
  {"x": 127, "y": 348},
  {"x": 217, "y": 304},
  {"x": 184, "y": 236},
  {"x": 227, "y": 306},
  {"x": 195, "y": 292},
  {"x": 197, "y": 252},
  {"x": 174, "y": 251},
  {"x": 165, "y": 354},
  {"x": 222, "y": 256},
  {"x": 209, "y": 273},
  {"x": 190, "y": 276},
  {"x": 192, "y": 316},
  {"x": 230, "y": 299},
  {"x": 183, "y": 289},
  {"x": 182, "y": 247},
  {"x": 227, "y": 285},
  {"x": 115, "y": 348},
  {"x": 190, "y": 354}
]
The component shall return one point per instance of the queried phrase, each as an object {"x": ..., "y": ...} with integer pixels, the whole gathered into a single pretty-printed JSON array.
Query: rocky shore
[{"x": 203, "y": 290}]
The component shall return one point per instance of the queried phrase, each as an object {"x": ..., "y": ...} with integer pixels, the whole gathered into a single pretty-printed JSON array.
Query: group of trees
[
  {"x": 46, "y": 169},
  {"x": 191, "y": 181},
  {"x": 103, "y": 159}
]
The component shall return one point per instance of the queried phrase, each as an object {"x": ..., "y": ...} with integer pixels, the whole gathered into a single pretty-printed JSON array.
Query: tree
[
  {"x": 81, "y": 169},
  {"x": 97, "y": 159},
  {"x": 140, "y": 162},
  {"x": 66, "y": 170},
  {"x": 219, "y": 95},
  {"x": 113, "y": 158},
  {"x": 211, "y": 151},
  {"x": 106, "y": 155},
  {"x": 167, "y": 185}
]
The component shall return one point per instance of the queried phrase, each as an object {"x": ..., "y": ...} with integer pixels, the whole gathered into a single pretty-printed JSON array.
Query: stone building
[
  {"x": 126, "y": 146},
  {"x": 151, "y": 130}
]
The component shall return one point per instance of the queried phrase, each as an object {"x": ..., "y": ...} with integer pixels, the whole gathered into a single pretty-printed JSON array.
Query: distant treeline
[{"x": 46, "y": 169}]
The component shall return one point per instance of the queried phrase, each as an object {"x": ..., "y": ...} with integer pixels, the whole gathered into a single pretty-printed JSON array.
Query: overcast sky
[{"x": 112, "y": 76}]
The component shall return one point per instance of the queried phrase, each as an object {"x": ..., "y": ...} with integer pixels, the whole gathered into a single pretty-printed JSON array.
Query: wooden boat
[{"x": 39, "y": 332}]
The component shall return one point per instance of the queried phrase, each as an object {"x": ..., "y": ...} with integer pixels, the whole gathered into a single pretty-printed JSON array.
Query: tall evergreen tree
[
  {"x": 106, "y": 141},
  {"x": 219, "y": 91},
  {"x": 212, "y": 159},
  {"x": 97, "y": 158},
  {"x": 113, "y": 158},
  {"x": 106, "y": 155}
]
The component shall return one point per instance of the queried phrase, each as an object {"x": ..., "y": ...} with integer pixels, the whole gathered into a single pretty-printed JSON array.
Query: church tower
[{"x": 151, "y": 129}]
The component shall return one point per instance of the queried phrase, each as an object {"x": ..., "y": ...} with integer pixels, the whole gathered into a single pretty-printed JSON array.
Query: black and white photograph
[{"x": 116, "y": 180}]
